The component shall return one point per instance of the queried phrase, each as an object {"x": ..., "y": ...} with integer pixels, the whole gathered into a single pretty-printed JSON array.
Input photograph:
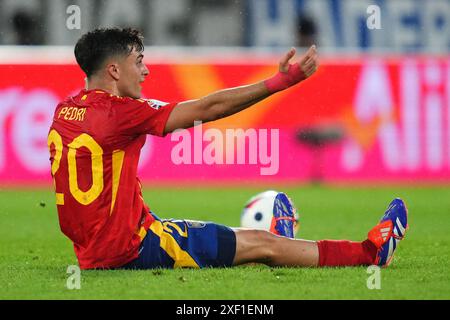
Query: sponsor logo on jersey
[{"x": 156, "y": 104}]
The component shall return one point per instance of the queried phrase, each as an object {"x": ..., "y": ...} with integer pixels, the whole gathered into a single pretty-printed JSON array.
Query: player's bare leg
[{"x": 264, "y": 247}]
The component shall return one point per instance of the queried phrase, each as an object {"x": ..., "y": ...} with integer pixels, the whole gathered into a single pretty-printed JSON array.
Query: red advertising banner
[{"x": 367, "y": 119}]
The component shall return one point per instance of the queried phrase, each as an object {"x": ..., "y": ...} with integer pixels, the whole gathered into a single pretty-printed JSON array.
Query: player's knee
[
  {"x": 256, "y": 246},
  {"x": 267, "y": 245}
]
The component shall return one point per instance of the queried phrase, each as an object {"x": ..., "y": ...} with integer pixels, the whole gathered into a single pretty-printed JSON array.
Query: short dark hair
[{"x": 94, "y": 47}]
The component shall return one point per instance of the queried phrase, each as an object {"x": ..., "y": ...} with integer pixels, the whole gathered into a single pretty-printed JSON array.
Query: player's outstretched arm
[{"x": 226, "y": 102}]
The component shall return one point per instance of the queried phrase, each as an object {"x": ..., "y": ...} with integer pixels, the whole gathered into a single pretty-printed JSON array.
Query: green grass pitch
[{"x": 34, "y": 254}]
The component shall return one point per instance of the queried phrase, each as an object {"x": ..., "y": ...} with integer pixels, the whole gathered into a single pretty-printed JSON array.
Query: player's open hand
[
  {"x": 308, "y": 63},
  {"x": 290, "y": 74}
]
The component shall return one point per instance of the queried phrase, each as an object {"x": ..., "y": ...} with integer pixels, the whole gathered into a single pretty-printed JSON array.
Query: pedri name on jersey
[
  {"x": 72, "y": 113},
  {"x": 77, "y": 114}
]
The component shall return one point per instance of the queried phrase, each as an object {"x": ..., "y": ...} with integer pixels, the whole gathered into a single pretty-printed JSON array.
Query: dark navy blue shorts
[{"x": 185, "y": 243}]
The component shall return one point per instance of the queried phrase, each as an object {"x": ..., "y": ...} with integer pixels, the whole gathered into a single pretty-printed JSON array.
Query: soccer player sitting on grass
[{"x": 95, "y": 141}]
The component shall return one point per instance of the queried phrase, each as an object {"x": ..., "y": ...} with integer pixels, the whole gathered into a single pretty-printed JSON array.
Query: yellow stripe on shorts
[
  {"x": 142, "y": 233},
  {"x": 170, "y": 245}
]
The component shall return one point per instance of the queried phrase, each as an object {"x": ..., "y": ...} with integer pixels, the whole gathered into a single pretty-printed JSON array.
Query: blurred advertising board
[{"x": 383, "y": 119}]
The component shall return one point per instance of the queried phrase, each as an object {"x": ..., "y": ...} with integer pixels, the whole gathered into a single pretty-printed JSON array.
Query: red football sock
[{"x": 339, "y": 253}]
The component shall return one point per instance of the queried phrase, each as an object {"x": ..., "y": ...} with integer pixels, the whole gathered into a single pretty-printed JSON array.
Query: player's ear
[{"x": 113, "y": 70}]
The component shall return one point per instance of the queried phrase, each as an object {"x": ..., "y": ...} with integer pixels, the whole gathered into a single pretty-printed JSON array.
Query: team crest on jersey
[
  {"x": 156, "y": 104},
  {"x": 195, "y": 224}
]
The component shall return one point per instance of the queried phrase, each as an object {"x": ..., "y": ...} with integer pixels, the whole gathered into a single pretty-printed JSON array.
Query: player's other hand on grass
[{"x": 292, "y": 73}]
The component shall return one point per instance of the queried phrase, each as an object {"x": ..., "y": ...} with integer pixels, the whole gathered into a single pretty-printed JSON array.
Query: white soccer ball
[{"x": 258, "y": 211}]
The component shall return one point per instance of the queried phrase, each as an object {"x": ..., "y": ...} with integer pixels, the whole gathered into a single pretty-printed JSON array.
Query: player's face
[{"x": 132, "y": 73}]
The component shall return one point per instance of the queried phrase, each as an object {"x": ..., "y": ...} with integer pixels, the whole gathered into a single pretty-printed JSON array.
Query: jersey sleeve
[{"x": 142, "y": 116}]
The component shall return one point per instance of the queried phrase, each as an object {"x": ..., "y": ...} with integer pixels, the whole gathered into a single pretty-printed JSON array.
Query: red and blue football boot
[
  {"x": 285, "y": 219},
  {"x": 388, "y": 233}
]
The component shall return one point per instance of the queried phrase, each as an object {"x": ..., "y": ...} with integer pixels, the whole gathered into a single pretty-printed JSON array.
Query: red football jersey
[{"x": 95, "y": 142}]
